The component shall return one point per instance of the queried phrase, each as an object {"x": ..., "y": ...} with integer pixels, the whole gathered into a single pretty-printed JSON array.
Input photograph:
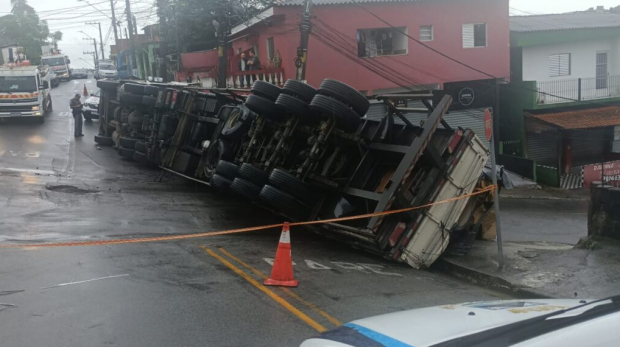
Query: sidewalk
[
  {"x": 548, "y": 193},
  {"x": 541, "y": 269}
]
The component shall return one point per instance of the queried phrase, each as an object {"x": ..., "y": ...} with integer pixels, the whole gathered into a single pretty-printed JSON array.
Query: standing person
[
  {"x": 76, "y": 109},
  {"x": 254, "y": 64},
  {"x": 243, "y": 66}
]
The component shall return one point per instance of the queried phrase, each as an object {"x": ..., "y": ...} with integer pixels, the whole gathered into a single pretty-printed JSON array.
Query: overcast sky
[{"x": 69, "y": 17}]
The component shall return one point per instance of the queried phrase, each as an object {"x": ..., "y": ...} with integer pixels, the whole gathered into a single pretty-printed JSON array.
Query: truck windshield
[
  {"x": 107, "y": 67},
  {"x": 17, "y": 84},
  {"x": 54, "y": 61}
]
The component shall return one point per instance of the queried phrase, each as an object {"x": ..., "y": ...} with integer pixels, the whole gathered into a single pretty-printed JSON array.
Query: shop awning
[{"x": 582, "y": 119}]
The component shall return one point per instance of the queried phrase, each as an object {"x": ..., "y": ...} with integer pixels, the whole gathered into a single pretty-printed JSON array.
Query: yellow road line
[
  {"x": 289, "y": 292},
  {"x": 311, "y": 322}
]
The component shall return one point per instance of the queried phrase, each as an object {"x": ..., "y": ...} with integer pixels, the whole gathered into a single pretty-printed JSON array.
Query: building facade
[{"x": 565, "y": 76}]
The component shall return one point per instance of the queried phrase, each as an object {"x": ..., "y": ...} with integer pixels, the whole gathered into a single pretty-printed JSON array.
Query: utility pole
[
  {"x": 130, "y": 26},
  {"x": 96, "y": 55},
  {"x": 222, "y": 33},
  {"x": 100, "y": 37},
  {"x": 163, "y": 40},
  {"x": 93, "y": 54},
  {"x": 114, "y": 22},
  {"x": 302, "y": 51}
]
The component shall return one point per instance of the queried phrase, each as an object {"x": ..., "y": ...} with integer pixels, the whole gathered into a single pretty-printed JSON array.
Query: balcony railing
[
  {"x": 577, "y": 89},
  {"x": 239, "y": 79}
]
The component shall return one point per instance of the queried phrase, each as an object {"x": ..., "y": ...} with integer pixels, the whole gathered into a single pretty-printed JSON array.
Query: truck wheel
[
  {"x": 266, "y": 90},
  {"x": 221, "y": 183},
  {"x": 346, "y": 94},
  {"x": 136, "y": 89},
  {"x": 50, "y": 108},
  {"x": 126, "y": 152},
  {"x": 141, "y": 147},
  {"x": 283, "y": 202},
  {"x": 227, "y": 169},
  {"x": 299, "y": 89},
  {"x": 87, "y": 116},
  {"x": 292, "y": 105},
  {"x": 140, "y": 157},
  {"x": 104, "y": 140},
  {"x": 346, "y": 118},
  {"x": 292, "y": 185},
  {"x": 260, "y": 105},
  {"x": 127, "y": 142},
  {"x": 253, "y": 174},
  {"x": 131, "y": 99},
  {"x": 235, "y": 126},
  {"x": 246, "y": 189},
  {"x": 41, "y": 120}
]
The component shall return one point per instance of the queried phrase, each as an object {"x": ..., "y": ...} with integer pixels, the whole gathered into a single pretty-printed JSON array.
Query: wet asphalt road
[{"x": 200, "y": 292}]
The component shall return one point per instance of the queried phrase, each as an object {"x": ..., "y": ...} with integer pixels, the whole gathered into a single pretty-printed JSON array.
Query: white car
[
  {"x": 523, "y": 323},
  {"x": 91, "y": 106},
  {"x": 106, "y": 70}
]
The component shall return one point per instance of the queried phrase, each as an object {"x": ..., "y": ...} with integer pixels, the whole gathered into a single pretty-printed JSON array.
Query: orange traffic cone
[
  {"x": 85, "y": 90},
  {"x": 282, "y": 271}
]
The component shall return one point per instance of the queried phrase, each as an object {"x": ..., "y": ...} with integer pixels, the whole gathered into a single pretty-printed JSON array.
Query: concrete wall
[
  {"x": 583, "y": 59},
  {"x": 604, "y": 211}
]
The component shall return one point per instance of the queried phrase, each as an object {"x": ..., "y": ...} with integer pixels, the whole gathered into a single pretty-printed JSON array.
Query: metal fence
[{"x": 577, "y": 89}]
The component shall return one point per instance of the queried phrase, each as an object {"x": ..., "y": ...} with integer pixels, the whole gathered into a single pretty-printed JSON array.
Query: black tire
[
  {"x": 141, "y": 147},
  {"x": 104, "y": 140},
  {"x": 151, "y": 91},
  {"x": 126, "y": 152},
  {"x": 87, "y": 116},
  {"x": 221, "y": 183},
  {"x": 253, "y": 174},
  {"x": 292, "y": 105},
  {"x": 235, "y": 126},
  {"x": 136, "y": 89},
  {"x": 131, "y": 99},
  {"x": 51, "y": 108},
  {"x": 106, "y": 84},
  {"x": 292, "y": 185},
  {"x": 227, "y": 169},
  {"x": 246, "y": 189},
  {"x": 346, "y": 94},
  {"x": 266, "y": 90},
  {"x": 347, "y": 120},
  {"x": 149, "y": 101},
  {"x": 127, "y": 142},
  {"x": 260, "y": 105},
  {"x": 283, "y": 202},
  {"x": 299, "y": 89},
  {"x": 40, "y": 119},
  {"x": 140, "y": 157}
]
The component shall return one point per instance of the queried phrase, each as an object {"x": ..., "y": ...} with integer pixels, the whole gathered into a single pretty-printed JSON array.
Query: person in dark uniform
[
  {"x": 76, "y": 109},
  {"x": 254, "y": 64}
]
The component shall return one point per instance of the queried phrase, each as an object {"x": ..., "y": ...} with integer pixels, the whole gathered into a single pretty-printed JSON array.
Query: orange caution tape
[{"x": 242, "y": 230}]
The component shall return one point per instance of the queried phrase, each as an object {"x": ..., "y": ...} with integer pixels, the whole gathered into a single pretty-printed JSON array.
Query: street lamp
[
  {"x": 100, "y": 37},
  {"x": 113, "y": 18}
]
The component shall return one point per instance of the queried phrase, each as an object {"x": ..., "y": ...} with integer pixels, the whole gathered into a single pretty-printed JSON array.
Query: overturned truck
[{"x": 309, "y": 154}]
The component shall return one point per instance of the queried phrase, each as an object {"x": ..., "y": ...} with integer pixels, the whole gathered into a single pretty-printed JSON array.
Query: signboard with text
[{"x": 608, "y": 172}]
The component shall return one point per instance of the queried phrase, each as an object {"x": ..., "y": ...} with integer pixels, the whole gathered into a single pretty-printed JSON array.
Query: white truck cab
[
  {"x": 106, "y": 69},
  {"x": 24, "y": 91}
]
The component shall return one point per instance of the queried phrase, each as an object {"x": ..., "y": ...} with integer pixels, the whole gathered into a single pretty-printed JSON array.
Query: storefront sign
[
  {"x": 608, "y": 172},
  {"x": 467, "y": 96}
]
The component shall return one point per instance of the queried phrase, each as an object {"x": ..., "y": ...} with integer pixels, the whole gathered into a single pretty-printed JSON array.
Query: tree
[
  {"x": 56, "y": 36},
  {"x": 24, "y": 28}
]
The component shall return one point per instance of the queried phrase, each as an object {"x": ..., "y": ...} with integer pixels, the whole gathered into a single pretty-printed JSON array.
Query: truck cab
[
  {"x": 24, "y": 92},
  {"x": 105, "y": 69},
  {"x": 60, "y": 64}
]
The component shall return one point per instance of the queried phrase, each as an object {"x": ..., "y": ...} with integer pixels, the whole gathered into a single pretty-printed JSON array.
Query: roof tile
[{"x": 582, "y": 119}]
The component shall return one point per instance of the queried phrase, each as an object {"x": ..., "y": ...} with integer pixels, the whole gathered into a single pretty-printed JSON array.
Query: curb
[{"x": 485, "y": 279}]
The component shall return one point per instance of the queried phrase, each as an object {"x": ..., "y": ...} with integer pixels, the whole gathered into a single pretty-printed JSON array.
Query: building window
[
  {"x": 559, "y": 65},
  {"x": 426, "y": 33},
  {"x": 379, "y": 42},
  {"x": 601, "y": 70},
  {"x": 270, "y": 48},
  {"x": 474, "y": 35}
]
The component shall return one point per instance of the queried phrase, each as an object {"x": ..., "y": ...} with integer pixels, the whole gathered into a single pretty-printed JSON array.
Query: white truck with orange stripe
[{"x": 24, "y": 91}]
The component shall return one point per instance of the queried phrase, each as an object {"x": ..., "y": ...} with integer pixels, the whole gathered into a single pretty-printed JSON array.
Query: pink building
[{"x": 349, "y": 43}]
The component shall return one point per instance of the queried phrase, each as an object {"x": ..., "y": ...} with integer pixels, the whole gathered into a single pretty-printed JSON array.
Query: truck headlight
[{"x": 35, "y": 108}]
